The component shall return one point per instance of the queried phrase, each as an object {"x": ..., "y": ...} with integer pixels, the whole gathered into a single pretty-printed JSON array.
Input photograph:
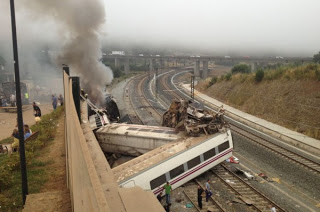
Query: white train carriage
[
  {"x": 176, "y": 162},
  {"x": 134, "y": 140}
]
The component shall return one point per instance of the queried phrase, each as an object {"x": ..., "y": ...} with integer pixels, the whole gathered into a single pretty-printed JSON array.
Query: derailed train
[
  {"x": 176, "y": 162},
  {"x": 167, "y": 154}
]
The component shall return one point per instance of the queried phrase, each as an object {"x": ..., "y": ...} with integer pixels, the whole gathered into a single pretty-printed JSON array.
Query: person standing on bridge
[
  {"x": 61, "y": 100},
  {"x": 200, "y": 192},
  {"x": 36, "y": 110},
  {"x": 168, "y": 189},
  {"x": 54, "y": 101}
]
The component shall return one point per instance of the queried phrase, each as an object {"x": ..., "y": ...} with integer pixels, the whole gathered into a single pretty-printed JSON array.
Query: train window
[
  {"x": 158, "y": 131},
  {"x": 176, "y": 171},
  {"x": 132, "y": 128},
  {"x": 193, "y": 162},
  {"x": 223, "y": 146},
  {"x": 158, "y": 181},
  {"x": 171, "y": 132},
  {"x": 145, "y": 130},
  {"x": 209, "y": 154}
]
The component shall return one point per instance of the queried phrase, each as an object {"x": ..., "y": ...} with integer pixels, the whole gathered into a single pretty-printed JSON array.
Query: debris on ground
[
  {"x": 182, "y": 116},
  {"x": 189, "y": 205},
  {"x": 237, "y": 200},
  {"x": 275, "y": 179},
  {"x": 265, "y": 177},
  {"x": 249, "y": 176},
  {"x": 233, "y": 159}
]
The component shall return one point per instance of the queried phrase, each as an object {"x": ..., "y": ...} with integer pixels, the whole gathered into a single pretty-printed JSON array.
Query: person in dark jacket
[
  {"x": 36, "y": 110},
  {"x": 200, "y": 192}
]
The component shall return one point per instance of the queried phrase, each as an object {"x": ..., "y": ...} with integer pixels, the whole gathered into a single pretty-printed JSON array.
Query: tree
[
  {"x": 316, "y": 58},
  {"x": 241, "y": 68},
  {"x": 259, "y": 75},
  {"x": 117, "y": 72}
]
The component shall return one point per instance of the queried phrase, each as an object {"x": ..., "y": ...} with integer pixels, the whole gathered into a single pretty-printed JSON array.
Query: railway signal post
[{"x": 192, "y": 88}]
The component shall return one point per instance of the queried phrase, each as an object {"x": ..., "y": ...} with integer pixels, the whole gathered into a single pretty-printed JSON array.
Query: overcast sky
[{"x": 289, "y": 27}]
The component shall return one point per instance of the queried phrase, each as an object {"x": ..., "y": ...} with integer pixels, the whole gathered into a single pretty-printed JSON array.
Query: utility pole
[
  {"x": 156, "y": 83},
  {"x": 24, "y": 179},
  {"x": 192, "y": 87}
]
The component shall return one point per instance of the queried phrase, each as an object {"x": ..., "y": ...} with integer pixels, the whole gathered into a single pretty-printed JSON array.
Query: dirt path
[
  {"x": 55, "y": 196},
  {"x": 8, "y": 120}
]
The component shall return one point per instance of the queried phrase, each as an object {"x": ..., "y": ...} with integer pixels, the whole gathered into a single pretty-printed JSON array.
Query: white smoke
[{"x": 73, "y": 28}]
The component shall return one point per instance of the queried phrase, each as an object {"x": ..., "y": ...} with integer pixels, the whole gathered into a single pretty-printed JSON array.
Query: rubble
[{"x": 182, "y": 116}]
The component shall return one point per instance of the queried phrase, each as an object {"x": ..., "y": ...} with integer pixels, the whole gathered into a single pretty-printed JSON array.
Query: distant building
[{"x": 117, "y": 53}]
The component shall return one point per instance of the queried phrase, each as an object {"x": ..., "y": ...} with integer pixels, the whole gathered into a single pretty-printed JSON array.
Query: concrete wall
[
  {"x": 83, "y": 182},
  {"x": 91, "y": 181}
]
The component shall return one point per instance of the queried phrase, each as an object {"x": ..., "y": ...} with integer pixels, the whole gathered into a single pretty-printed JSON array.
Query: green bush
[
  {"x": 228, "y": 76},
  {"x": 317, "y": 72},
  {"x": 6, "y": 177},
  {"x": 117, "y": 72},
  {"x": 241, "y": 68},
  {"x": 213, "y": 81},
  {"x": 259, "y": 75},
  {"x": 316, "y": 58}
]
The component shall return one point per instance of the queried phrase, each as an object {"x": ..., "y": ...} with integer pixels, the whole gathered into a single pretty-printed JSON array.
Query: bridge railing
[{"x": 85, "y": 188}]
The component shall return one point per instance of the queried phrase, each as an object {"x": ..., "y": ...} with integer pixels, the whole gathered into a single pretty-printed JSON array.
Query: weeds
[{"x": 10, "y": 179}]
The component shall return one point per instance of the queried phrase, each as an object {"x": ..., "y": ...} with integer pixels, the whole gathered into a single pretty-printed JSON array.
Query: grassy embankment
[
  {"x": 10, "y": 177},
  {"x": 288, "y": 95}
]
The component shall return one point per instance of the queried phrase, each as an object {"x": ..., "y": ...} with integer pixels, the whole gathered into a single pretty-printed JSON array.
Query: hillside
[{"x": 288, "y": 96}]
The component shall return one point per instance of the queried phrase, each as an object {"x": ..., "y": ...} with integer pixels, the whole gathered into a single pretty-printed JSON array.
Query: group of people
[
  {"x": 11, "y": 101},
  {"x": 56, "y": 100},
  {"x": 168, "y": 189},
  {"x": 5, "y": 103},
  {"x": 27, "y": 132},
  {"x": 201, "y": 192},
  {"x": 207, "y": 191}
]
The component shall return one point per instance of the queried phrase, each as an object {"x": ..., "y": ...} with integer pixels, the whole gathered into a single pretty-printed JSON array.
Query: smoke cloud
[{"x": 71, "y": 30}]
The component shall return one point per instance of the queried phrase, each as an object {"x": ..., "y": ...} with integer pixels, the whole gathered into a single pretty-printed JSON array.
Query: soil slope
[{"x": 294, "y": 104}]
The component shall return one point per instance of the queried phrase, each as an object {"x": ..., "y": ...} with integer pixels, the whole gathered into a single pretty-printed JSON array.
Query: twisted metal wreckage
[{"x": 181, "y": 115}]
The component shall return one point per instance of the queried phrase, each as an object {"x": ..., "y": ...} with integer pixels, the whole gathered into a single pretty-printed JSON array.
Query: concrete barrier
[
  {"x": 83, "y": 181},
  {"x": 91, "y": 181}
]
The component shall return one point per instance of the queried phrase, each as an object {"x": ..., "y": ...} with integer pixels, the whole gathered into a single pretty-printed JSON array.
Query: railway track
[
  {"x": 138, "y": 100},
  {"x": 127, "y": 99},
  {"x": 243, "y": 189},
  {"x": 168, "y": 89},
  {"x": 294, "y": 157}
]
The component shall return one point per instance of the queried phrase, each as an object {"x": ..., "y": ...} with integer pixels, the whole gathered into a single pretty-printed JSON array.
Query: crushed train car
[{"x": 182, "y": 116}]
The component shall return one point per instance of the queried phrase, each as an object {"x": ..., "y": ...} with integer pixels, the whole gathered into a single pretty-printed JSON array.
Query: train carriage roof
[{"x": 156, "y": 156}]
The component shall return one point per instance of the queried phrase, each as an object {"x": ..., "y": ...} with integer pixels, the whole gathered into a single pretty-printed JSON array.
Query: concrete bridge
[{"x": 163, "y": 61}]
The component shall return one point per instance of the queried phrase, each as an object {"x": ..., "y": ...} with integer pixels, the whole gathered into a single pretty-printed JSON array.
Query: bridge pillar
[
  {"x": 162, "y": 64},
  {"x": 151, "y": 66},
  {"x": 205, "y": 69},
  {"x": 196, "y": 68},
  {"x": 117, "y": 62},
  {"x": 127, "y": 66}
]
